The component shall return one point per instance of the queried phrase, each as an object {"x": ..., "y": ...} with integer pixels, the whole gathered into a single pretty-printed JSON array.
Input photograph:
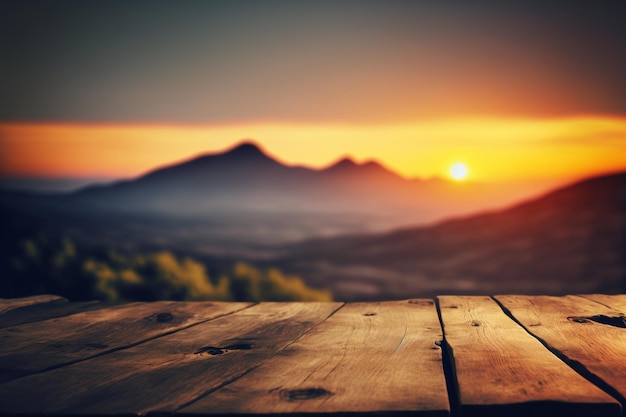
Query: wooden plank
[
  {"x": 616, "y": 302},
  {"x": 590, "y": 335},
  {"x": 503, "y": 370},
  {"x": 35, "y": 347},
  {"x": 7, "y": 304},
  {"x": 168, "y": 372},
  {"x": 40, "y": 312},
  {"x": 368, "y": 357}
]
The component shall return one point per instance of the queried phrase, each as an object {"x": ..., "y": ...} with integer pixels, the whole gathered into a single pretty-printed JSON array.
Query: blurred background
[{"x": 294, "y": 150}]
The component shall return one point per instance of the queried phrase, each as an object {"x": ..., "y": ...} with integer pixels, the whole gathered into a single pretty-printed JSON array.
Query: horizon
[
  {"x": 529, "y": 188},
  {"x": 297, "y": 150},
  {"x": 66, "y": 162},
  {"x": 110, "y": 91}
]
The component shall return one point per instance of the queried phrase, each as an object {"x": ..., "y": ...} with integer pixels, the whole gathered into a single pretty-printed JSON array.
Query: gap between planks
[
  {"x": 95, "y": 333},
  {"x": 448, "y": 361},
  {"x": 362, "y": 359},
  {"x": 576, "y": 324},
  {"x": 261, "y": 363},
  {"x": 169, "y": 371},
  {"x": 502, "y": 370}
]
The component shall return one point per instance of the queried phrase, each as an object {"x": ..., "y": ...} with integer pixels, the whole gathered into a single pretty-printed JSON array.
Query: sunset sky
[{"x": 111, "y": 89}]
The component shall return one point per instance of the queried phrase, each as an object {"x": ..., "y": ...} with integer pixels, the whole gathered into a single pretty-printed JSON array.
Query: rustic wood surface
[
  {"x": 167, "y": 373},
  {"x": 616, "y": 302},
  {"x": 367, "y": 357},
  {"x": 35, "y": 347},
  {"x": 503, "y": 355},
  {"x": 7, "y": 304},
  {"x": 586, "y": 332},
  {"x": 45, "y": 311},
  {"x": 501, "y": 368}
]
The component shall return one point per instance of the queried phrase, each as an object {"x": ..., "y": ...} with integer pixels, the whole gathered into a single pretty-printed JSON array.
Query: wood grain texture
[
  {"x": 502, "y": 370},
  {"x": 582, "y": 330},
  {"x": 7, "y": 304},
  {"x": 45, "y": 311},
  {"x": 616, "y": 302},
  {"x": 35, "y": 347},
  {"x": 368, "y": 357},
  {"x": 170, "y": 371}
]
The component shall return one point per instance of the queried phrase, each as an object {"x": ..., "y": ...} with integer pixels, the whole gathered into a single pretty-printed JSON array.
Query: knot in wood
[
  {"x": 211, "y": 350},
  {"x": 240, "y": 346},
  {"x": 160, "y": 317},
  {"x": 214, "y": 350},
  {"x": 578, "y": 320},
  {"x": 164, "y": 317},
  {"x": 304, "y": 394}
]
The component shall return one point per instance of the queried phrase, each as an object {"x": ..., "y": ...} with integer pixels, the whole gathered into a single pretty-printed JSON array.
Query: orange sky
[
  {"x": 494, "y": 149},
  {"x": 518, "y": 91}
]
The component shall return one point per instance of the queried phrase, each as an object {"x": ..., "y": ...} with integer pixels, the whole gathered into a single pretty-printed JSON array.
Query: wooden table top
[{"x": 509, "y": 355}]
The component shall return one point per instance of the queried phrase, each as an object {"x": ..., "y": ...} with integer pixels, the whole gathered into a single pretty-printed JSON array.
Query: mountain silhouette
[
  {"x": 246, "y": 180},
  {"x": 245, "y": 157},
  {"x": 571, "y": 240},
  {"x": 243, "y": 204}
]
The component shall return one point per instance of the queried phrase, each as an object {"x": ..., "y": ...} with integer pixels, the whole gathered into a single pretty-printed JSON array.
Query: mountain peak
[
  {"x": 371, "y": 164},
  {"x": 377, "y": 167},
  {"x": 247, "y": 148},
  {"x": 344, "y": 163},
  {"x": 370, "y": 168}
]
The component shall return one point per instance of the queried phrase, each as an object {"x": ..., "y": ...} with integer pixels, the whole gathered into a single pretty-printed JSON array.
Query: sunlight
[
  {"x": 502, "y": 148},
  {"x": 458, "y": 171}
]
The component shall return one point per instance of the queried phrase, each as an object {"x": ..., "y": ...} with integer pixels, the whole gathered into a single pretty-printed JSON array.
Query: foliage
[
  {"x": 251, "y": 284},
  {"x": 44, "y": 265}
]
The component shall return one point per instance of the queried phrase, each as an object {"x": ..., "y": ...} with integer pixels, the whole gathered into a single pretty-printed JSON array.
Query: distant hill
[
  {"x": 571, "y": 240},
  {"x": 325, "y": 226},
  {"x": 244, "y": 181}
]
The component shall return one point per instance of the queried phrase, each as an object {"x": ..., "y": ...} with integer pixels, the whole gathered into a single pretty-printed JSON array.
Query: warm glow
[
  {"x": 458, "y": 171},
  {"x": 497, "y": 149}
]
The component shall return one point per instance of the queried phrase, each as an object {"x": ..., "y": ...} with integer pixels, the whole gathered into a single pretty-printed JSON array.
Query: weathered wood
[
  {"x": 7, "y": 304},
  {"x": 368, "y": 357},
  {"x": 616, "y": 302},
  {"x": 170, "y": 371},
  {"x": 279, "y": 358},
  {"x": 589, "y": 334},
  {"x": 40, "y": 312},
  {"x": 35, "y": 347},
  {"x": 503, "y": 370}
]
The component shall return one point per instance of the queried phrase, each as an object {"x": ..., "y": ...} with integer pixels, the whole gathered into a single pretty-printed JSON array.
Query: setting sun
[{"x": 458, "y": 171}]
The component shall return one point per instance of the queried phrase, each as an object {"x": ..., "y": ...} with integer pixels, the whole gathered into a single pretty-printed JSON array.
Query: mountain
[
  {"x": 324, "y": 225},
  {"x": 571, "y": 240},
  {"x": 245, "y": 181},
  {"x": 242, "y": 202}
]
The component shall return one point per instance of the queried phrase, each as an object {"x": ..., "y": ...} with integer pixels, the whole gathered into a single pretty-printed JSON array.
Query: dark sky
[{"x": 319, "y": 61}]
